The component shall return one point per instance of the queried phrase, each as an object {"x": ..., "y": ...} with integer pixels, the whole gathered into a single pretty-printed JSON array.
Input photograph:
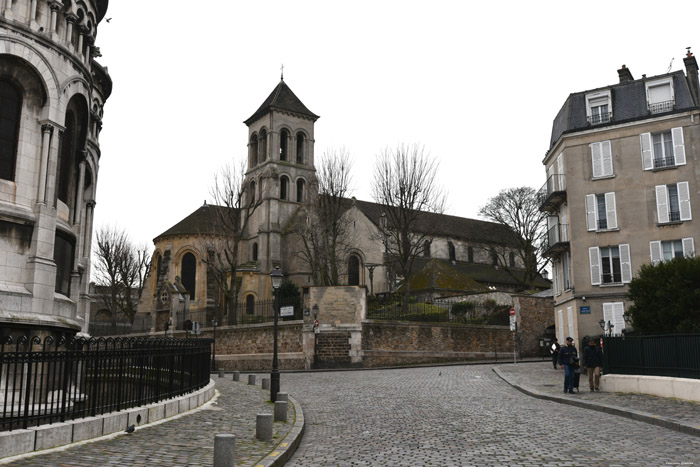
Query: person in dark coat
[
  {"x": 568, "y": 359},
  {"x": 554, "y": 350},
  {"x": 592, "y": 361}
]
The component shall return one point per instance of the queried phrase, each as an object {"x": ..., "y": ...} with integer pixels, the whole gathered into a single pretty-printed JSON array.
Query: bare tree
[
  {"x": 229, "y": 220},
  {"x": 321, "y": 226},
  {"x": 405, "y": 184},
  {"x": 121, "y": 268},
  {"x": 518, "y": 209}
]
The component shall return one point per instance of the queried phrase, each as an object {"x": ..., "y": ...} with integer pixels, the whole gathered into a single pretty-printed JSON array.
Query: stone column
[
  {"x": 89, "y": 213},
  {"x": 55, "y": 7},
  {"x": 81, "y": 40},
  {"x": 70, "y": 21},
  {"x": 31, "y": 15},
  {"x": 51, "y": 176},
  {"x": 7, "y": 10},
  {"x": 46, "y": 132},
  {"x": 77, "y": 209}
]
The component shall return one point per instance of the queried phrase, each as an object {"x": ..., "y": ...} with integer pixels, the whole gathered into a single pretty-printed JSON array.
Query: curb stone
[{"x": 640, "y": 416}]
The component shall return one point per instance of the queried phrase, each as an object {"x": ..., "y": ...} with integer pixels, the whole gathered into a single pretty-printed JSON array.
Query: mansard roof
[
  {"x": 282, "y": 98},
  {"x": 629, "y": 103},
  {"x": 200, "y": 222},
  {"x": 443, "y": 225}
]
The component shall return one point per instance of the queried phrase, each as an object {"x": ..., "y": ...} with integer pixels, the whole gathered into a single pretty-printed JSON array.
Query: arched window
[
  {"x": 353, "y": 270},
  {"x": 470, "y": 254},
  {"x": 253, "y": 150},
  {"x": 494, "y": 257},
  {"x": 159, "y": 266},
  {"x": 250, "y": 304},
  {"x": 300, "y": 148},
  {"x": 72, "y": 143},
  {"x": 63, "y": 252},
  {"x": 284, "y": 144},
  {"x": 189, "y": 273},
  {"x": 251, "y": 195},
  {"x": 255, "y": 251},
  {"x": 10, "y": 111},
  {"x": 300, "y": 190},
  {"x": 452, "y": 252},
  {"x": 511, "y": 259},
  {"x": 263, "y": 145},
  {"x": 284, "y": 187},
  {"x": 426, "y": 249}
]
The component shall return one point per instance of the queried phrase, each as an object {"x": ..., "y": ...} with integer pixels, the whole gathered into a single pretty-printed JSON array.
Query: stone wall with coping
[{"x": 534, "y": 315}]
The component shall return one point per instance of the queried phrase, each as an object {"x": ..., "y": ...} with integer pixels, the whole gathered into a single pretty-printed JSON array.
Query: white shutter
[
  {"x": 625, "y": 263},
  {"x": 597, "y": 159},
  {"x": 688, "y": 247},
  {"x": 662, "y": 203},
  {"x": 655, "y": 249},
  {"x": 684, "y": 201},
  {"x": 607, "y": 158},
  {"x": 570, "y": 319},
  {"x": 618, "y": 321},
  {"x": 591, "y": 213},
  {"x": 608, "y": 314},
  {"x": 594, "y": 257},
  {"x": 561, "y": 180},
  {"x": 678, "y": 145},
  {"x": 560, "y": 328},
  {"x": 610, "y": 209},
  {"x": 555, "y": 275},
  {"x": 647, "y": 158}
]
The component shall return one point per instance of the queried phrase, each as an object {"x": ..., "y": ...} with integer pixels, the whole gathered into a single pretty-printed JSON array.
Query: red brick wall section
[
  {"x": 333, "y": 349},
  {"x": 535, "y": 314}
]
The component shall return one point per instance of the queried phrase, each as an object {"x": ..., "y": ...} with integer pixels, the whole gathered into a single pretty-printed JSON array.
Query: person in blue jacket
[
  {"x": 592, "y": 361},
  {"x": 568, "y": 359}
]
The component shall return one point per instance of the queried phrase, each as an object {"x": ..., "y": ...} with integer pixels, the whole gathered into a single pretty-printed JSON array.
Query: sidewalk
[
  {"x": 188, "y": 439},
  {"x": 540, "y": 380}
]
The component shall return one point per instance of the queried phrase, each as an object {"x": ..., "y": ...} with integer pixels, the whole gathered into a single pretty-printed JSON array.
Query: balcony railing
[
  {"x": 659, "y": 107},
  {"x": 663, "y": 162},
  {"x": 674, "y": 216},
  {"x": 602, "y": 224},
  {"x": 557, "y": 240},
  {"x": 600, "y": 118},
  {"x": 553, "y": 193}
]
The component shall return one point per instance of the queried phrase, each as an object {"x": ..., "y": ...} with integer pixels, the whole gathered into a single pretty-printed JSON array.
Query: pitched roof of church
[
  {"x": 201, "y": 221},
  {"x": 444, "y": 225},
  {"x": 282, "y": 98}
]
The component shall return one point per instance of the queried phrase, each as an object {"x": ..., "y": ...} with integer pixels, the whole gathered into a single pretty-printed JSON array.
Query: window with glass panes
[
  {"x": 663, "y": 150},
  {"x": 610, "y": 263},
  {"x": 674, "y": 212},
  {"x": 672, "y": 249}
]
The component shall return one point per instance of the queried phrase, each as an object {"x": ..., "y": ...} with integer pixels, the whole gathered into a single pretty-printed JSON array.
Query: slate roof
[
  {"x": 629, "y": 103},
  {"x": 282, "y": 98},
  {"x": 201, "y": 221},
  {"x": 443, "y": 225}
]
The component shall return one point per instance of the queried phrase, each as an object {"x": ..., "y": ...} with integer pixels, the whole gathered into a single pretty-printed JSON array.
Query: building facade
[
  {"x": 623, "y": 182},
  {"x": 52, "y": 93}
]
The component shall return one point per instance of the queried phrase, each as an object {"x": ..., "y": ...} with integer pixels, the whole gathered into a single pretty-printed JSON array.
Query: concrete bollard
[
  {"x": 280, "y": 411},
  {"x": 236, "y": 375},
  {"x": 221, "y": 372},
  {"x": 251, "y": 380},
  {"x": 263, "y": 427},
  {"x": 224, "y": 447},
  {"x": 266, "y": 383},
  {"x": 282, "y": 396}
]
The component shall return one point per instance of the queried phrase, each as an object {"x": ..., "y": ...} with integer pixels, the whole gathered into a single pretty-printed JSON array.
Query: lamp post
[
  {"x": 214, "y": 323},
  {"x": 276, "y": 277},
  {"x": 315, "y": 309}
]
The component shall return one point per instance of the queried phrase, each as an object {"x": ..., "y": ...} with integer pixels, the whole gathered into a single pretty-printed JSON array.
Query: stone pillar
[
  {"x": 7, "y": 11},
  {"x": 89, "y": 213},
  {"x": 70, "y": 21},
  {"x": 81, "y": 41},
  {"x": 52, "y": 168},
  {"x": 77, "y": 209},
  {"x": 46, "y": 132},
  {"x": 55, "y": 7}
]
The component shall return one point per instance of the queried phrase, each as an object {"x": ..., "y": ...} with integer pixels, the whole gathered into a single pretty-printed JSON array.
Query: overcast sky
[{"x": 478, "y": 83}]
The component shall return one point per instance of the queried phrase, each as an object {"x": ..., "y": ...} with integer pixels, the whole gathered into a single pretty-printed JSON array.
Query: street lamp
[
  {"x": 316, "y": 310},
  {"x": 276, "y": 277},
  {"x": 602, "y": 324},
  {"x": 214, "y": 323}
]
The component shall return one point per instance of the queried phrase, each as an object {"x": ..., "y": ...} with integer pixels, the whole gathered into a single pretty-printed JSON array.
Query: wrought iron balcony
[
  {"x": 659, "y": 107},
  {"x": 599, "y": 118},
  {"x": 553, "y": 193},
  {"x": 664, "y": 162},
  {"x": 557, "y": 240}
]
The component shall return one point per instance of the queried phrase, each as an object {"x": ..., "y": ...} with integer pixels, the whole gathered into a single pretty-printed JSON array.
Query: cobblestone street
[{"x": 464, "y": 415}]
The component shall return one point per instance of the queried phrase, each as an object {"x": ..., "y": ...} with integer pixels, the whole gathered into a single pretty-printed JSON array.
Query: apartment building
[{"x": 623, "y": 182}]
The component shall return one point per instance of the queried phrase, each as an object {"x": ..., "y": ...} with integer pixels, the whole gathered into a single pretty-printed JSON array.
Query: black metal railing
[
  {"x": 674, "y": 216},
  {"x": 599, "y": 118},
  {"x": 663, "y": 162},
  {"x": 48, "y": 380},
  {"x": 557, "y": 234},
  {"x": 658, "y": 107},
  {"x": 553, "y": 192},
  {"x": 437, "y": 311},
  {"x": 602, "y": 224},
  {"x": 260, "y": 311},
  {"x": 663, "y": 355}
]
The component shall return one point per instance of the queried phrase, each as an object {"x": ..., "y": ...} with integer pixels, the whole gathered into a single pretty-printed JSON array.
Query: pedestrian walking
[
  {"x": 592, "y": 362},
  {"x": 568, "y": 359},
  {"x": 554, "y": 351}
]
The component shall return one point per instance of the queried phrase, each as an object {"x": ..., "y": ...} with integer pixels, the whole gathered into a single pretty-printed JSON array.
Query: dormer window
[
  {"x": 660, "y": 97},
  {"x": 598, "y": 107}
]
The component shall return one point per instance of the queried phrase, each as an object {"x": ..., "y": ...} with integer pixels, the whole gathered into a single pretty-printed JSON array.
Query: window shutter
[
  {"x": 684, "y": 201},
  {"x": 662, "y": 203},
  {"x": 597, "y": 159},
  {"x": 561, "y": 182},
  {"x": 655, "y": 249},
  {"x": 647, "y": 162},
  {"x": 625, "y": 263},
  {"x": 555, "y": 276},
  {"x": 678, "y": 145},
  {"x": 570, "y": 319},
  {"x": 607, "y": 158},
  {"x": 560, "y": 328},
  {"x": 688, "y": 248},
  {"x": 591, "y": 213},
  {"x": 608, "y": 313},
  {"x": 611, "y": 211},
  {"x": 618, "y": 312},
  {"x": 594, "y": 258}
]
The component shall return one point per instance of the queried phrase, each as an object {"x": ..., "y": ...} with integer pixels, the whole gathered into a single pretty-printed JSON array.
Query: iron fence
[
  {"x": 252, "y": 312},
  {"x": 446, "y": 310},
  {"x": 141, "y": 324},
  {"x": 53, "y": 380},
  {"x": 663, "y": 355}
]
